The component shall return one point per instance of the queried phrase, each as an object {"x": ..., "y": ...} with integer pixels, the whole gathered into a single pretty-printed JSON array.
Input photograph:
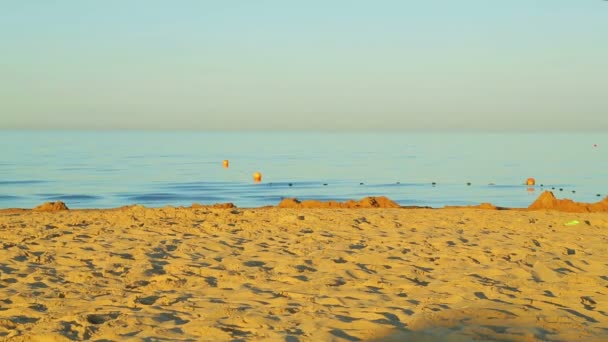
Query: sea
[{"x": 106, "y": 169}]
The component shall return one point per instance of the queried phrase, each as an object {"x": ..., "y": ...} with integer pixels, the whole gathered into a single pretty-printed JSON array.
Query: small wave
[
  {"x": 77, "y": 168},
  {"x": 199, "y": 186},
  {"x": 152, "y": 197},
  {"x": 265, "y": 197},
  {"x": 166, "y": 197},
  {"x": 22, "y": 182},
  {"x": 73, "y": 197},
  {"x": 398, "y": 185}
]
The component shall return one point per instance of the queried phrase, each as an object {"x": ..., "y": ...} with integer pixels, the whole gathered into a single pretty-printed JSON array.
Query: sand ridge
[{"x": 278, "y": 274}]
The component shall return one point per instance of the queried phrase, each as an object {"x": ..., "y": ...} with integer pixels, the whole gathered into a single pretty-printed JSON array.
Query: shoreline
[{"x": 545, "y": 201}]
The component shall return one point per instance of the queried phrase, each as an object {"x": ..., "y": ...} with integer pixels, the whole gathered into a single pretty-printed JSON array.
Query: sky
[{"x": 321, "y": 65}]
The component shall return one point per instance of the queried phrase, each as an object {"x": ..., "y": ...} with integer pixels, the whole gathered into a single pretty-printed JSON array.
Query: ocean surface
[{"x": 102, "y": 169}]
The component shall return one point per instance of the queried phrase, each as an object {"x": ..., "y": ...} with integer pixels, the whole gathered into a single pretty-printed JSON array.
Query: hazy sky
[{"x": 306, "y": 65}]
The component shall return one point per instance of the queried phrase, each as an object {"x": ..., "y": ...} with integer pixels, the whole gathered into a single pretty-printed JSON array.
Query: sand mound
[
  {"x": 489, "y": 206},
  {"x": 548, "y": 201},
  {"x": 367, "y": 202},
  {"x": 486, "y": 206},
  {"x": 216, "y": 205},
  {"x": 51, "y": 206}
]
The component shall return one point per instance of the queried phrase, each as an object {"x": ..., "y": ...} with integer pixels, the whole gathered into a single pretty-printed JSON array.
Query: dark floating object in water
[
  {"x": 433, "y": 184},
  {"x": 561, "y": 189},
  {"x": 573, "y": 191},
  {"x": 361, "y": 183},
  {"x": 598, "y": 195},
  {"x": 324, "y": 184},
  {"x": 553, "y": 188},
  {"x": 290, "y": 184},
  {"x": 398, "y": 183},
  {"x": 469, "y": 183},
  {"x": 541, "y": 185}
]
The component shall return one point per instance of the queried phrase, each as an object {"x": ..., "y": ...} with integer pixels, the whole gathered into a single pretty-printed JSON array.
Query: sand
[{"x": 300, "y": 274}]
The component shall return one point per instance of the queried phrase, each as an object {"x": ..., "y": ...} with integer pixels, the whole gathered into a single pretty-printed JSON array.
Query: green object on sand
[{"x": 571, "y": 223}]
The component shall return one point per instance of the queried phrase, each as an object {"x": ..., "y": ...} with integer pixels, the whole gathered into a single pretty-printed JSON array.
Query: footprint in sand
[
  {"x": 102, "y": 318},
  {"x": 542, "y": 273},
  {"x": 149, "y": 300}
]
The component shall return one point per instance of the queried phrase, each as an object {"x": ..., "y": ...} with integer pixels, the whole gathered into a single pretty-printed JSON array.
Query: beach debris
[
  {"x": 257, "y": 177},
  {"x": 530, "y": 181},
  {"x": 226, "y": 163},
  {"x": 569, "y": 251},
  {"x": 51, "y": 206},
  {"x": 571, "y": 223}
]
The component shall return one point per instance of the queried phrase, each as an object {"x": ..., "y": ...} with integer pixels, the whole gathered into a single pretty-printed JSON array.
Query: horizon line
[{"x": 309, "y": 131}]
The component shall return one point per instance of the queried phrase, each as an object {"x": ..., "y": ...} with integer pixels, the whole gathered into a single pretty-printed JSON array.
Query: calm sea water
[{"x": 111, "y": 169}]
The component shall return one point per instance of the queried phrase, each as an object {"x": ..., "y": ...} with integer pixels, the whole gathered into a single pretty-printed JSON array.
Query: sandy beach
[
  {"x": 303, "y": 274},
  {"x": 304, "y": 171}
]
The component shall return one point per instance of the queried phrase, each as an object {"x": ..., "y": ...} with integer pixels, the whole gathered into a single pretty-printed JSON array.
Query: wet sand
[{"x": 303, "y": 274}]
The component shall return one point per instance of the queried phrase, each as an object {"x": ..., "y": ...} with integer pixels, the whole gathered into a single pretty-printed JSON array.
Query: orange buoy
[
  {"x": 530, "y": 181},
  {"x": 226, "y": 163},
  {"x": 257, "y": 177}
]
